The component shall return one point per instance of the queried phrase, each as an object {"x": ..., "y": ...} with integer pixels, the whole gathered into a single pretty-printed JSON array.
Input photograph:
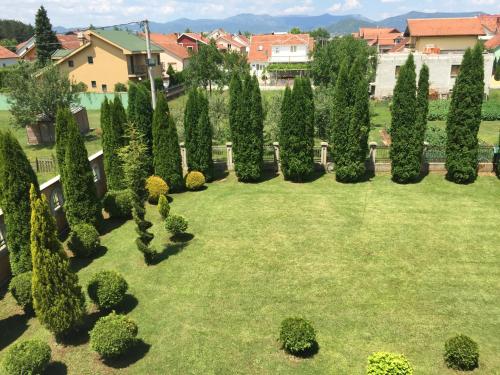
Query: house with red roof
[
  {"x": 27, "y": 49},
  {"x": 7, "y": 57},
  {"x": 192, "y": 41},
  {"x": 384, "y": 39},
  {"x": 173, "y": 53}
]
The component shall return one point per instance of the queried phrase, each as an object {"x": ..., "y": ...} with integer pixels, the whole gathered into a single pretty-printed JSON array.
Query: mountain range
[{"x": 258, "y": 24}]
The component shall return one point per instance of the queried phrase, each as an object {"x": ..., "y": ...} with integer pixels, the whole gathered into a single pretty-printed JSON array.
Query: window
[
  {"x": 293, "y": 49},
  {"x": 56, "y": 200},
  {"x": 96, "y": 172},
  {"x": 229, "y": 46},
  {"x": 104, "y": 87},
  {"x": 455, "y": 69},
  {"x": 261, "y": 48},
  {"x": 4, "y": 65},
  {"x": 190, "y": 48},
  {"x": 276, "y": 50},
  {"x": 71, "y": 63},
  {"x": 93, "y": 84},
  {"x": 90, "y": 59},
  {"x": 158, "y": 61},
  {"x": 396, "y": 71}
]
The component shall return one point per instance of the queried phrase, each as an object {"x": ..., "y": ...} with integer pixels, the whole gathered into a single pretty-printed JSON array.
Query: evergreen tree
[
  {"x": 113, "y": 120},
  {"x": 166, "y": 150},
  {"x": 191, "y": 117},
  {"x": 309, "y": 111},
  {"x": 140, "y": 115},
  {"x": 405, "y": 156},
  {"x": 464, "y": 118},
  {"x": 81, "y": 203},
  {"x": 63, "y": 117},
  {"x": 422, "y": 109},
  {"x": 16, "y": 178},
  {"x": 496, "y": 71},
  {"x": 235, "y": 111},
  {"x": 45, "y": 39},
  {"x": 58, "y": 300}
]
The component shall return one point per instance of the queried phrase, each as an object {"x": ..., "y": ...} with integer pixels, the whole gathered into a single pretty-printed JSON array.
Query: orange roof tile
[
  {"x": 169, "y": 43},
  {"x": 7, "y": 54},
  {"x": 261, "y": 45},
  {"x": 198, "y": 37},
  {"x": 491, "y": 22},
  {"x": 68, "y": 41},
  {"x": 445, "y": 27},
  {"x": 374, "y": 32},
  {"x": 398, "y": 47},
  {"x": 493, "y": 42}
]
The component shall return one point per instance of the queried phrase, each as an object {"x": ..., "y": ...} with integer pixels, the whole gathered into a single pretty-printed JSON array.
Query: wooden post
[
  {"x": 277, "y": 160},
  {"x": 229, "y": 150},
  {"x": 184, "y": 158}
]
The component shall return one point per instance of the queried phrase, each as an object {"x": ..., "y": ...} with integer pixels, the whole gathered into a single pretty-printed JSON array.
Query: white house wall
[{"x": 284, "y": 54}]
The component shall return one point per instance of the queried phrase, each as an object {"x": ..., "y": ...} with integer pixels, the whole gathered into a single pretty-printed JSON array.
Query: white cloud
[
  {"x": 483, "y": 2},
  {"x": 346, "y": 5},
  {"x": 305, "y": 8}
]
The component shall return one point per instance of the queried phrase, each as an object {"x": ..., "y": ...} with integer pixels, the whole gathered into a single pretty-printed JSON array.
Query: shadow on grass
[
  {"x": 315, "y": 175},
  {"x": 267, "y": 175},
  {"x": 127, "y": 305},
  {"x": 81, "y": 336},
  {"x": 219, "y": 174},
  {"x": 3, "y": 291},
  {"x": 309, "y": 353},
  {"x": 56, "y": 368},
  {"x": 179, "y": 242},
  {"x": 138, "y": 352},
  {"x": 78, "y": 263},
  {"x": 111, "y": 224},
  {"x": 12, "y": 328}
]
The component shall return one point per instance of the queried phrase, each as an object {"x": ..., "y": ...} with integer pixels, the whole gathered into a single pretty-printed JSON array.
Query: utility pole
[{"x": 150, "y": 63}]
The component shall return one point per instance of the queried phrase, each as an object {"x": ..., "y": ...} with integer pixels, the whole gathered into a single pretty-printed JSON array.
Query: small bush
[
  {"x": 113, "y": 335},
  {"x": 297, "y": 335},
  {"x": 388, "y": 364},
  {"x": 195, "y": 180},
  {"x": 118, "y": 203},
  {"x": 461, "y": 353},
  {"x": 27, "y": 358},
  {"x": 163, "y": 206},
  {"x": 84, "y": 240},
  {"x": 107, "y": 289},
  {"x": 120, "y": 87},
  {"x": 155, "y": 187},
  {"x": 20, "y": 288},
  {"x": 176, "y": 224}
]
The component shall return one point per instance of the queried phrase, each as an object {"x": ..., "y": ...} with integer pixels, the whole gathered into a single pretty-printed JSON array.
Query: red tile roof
[
  {"x": 244, "y": 39},
  {"x": 261, "y": 45},
  {"x": 229, "y": 38},
  {"x": 493, "y": 42},
  {"x": 197, "y": 36},
  {"x": 68, "y": 41},
  {"x": 374, "y": 32},
  {"x": 7, "y": 54},
  {"x": 398, "y": 47},
  {"x": 169, "y": 43},
  {"x": 445, "y": 27},
  {"x": 491, "y": 22}
]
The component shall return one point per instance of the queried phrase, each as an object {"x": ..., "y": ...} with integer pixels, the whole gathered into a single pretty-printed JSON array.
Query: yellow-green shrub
[
  {"x": 155, "y": 187},
  {"x": 195, "y": 180}
]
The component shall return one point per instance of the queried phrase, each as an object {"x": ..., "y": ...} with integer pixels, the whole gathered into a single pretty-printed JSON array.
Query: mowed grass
[{"x": 375, "y": 266}]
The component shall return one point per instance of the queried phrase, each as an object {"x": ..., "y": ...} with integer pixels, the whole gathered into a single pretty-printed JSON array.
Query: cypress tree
[
  {"x": 257, "y": 118},
  {"x": 81, "y": 202},
  {"x": 63, "y": 117},
  {"x": 140, "y": 115},
  {"x": 58, "y": 300},
  {"x": 166, "y": 150},
  {"x": 309, "y": 111},
  {"x": 45, "y": 39},
  {"x": 113, "y": 120},
  {"x": 284, "y": 130},
  {"x": 406, "y": 160},
  {"x": 201, "y": 159},
  {"x": 235, "y": 113},
  {"x": 16, "y": 178},
  {"x": 191, "y": 118},
  {"x": 464, "y": 118},
  {"x": 422, "y": 108}
]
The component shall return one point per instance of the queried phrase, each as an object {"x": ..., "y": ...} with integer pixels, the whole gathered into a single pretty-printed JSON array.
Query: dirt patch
[{"x": 386, "y": 138}]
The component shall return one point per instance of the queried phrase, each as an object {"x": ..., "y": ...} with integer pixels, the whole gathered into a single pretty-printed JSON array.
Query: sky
[{"x": 109, "y": 12}]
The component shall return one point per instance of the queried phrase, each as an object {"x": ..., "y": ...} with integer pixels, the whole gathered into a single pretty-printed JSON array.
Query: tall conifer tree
[
  {"x": 16, "y": 178},
  {"x": 140, "y": 115},
  {"x": 63, "y": 117},
  {"x": 45, "y": 38},
  {"x": 113, "y": 121},
  {"x": 422, "y": 108}
]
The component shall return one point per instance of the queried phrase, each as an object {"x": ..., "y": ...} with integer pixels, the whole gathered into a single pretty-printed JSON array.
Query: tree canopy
[{"x": 45, "y": 38}]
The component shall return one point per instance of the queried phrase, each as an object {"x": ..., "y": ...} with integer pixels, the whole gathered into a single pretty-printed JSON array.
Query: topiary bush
[
  {"x": 107, "y": 289},
  {"x": 20, "y": 288},
  {"x": 28, "y": 357},
  {"x": 163, "y": 206},
  {"x": 176, "y": 224},
  {"x": 118, "y": 203},
  {"x": 195, "y": 180},
  {"x": 461, "y": 353},
  {"x": 155, "y": 187},
  {"x": 84, "y": 240},
  {"x": 383, "y": 363},
  {"x": 297, "y": 335},
  {"x": 113, "y": 335}
]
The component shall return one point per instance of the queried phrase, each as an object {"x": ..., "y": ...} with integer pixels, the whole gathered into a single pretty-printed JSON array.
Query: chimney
[{"x": 81, "y": 38}]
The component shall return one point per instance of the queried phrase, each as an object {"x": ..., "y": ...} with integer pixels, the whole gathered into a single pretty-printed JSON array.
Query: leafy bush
[
  {"x": 438, "y": 110},
  {"x": 84, "y": 240},
  {"x": 435, "y": 136},
  {"x": 27, "y": 358},
  {"x": 163, "y": 206},
  {"x": 20, "y": 288},
  {"x": 297, "y": 335},
  {"x": 113, "y": 335},
  {"x": 120, "y": 87},
  {"x": 107, "y": 289},
  {"x": 79, "y": 87},
  {"x": 383, "y": 363},
  {"x": 118, "y": 203},
  {"x": 490, "y": 111},
  {"x": 155, "y": 187},
  {"x": 195, "y": 180},
  {"x": 176, "y": 224},
  {"x": 461, "y": 353}
]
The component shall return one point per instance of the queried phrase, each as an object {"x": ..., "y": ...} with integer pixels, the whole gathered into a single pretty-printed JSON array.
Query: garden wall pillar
[
  {"x": 229, "y": 150},
  {"x": 373, "y": 155},
  {"x": 183, "y": 157},
  {"x": 277, "y": 160},
  {"x": 324, "y": 154}
]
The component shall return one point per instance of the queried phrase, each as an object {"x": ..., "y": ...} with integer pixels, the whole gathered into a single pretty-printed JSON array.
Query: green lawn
[{"x": 375, "y": 266}]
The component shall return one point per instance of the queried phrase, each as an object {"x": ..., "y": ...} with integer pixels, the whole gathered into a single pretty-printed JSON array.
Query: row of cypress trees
[{"x": 246, "y": 124}]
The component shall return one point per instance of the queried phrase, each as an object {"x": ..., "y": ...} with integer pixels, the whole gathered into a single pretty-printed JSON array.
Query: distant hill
[
  {"x": 349, "y": 25},
  {"x": 399, "y": 22}
]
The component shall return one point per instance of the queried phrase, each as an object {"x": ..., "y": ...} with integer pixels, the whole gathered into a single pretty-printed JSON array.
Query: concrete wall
[
  {"x": 8, "y": 62},
  {"x": 440, "y": 77}
]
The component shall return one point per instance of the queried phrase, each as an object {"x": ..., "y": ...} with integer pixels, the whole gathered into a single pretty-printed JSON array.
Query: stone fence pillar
[
  {"x": 373, "y": 154},
  {"x": 324, "y": 154},
  {"x": 183, "y": 157},
  {"x": 229, "y": 150},
  {"x": 277, "y": 160}
]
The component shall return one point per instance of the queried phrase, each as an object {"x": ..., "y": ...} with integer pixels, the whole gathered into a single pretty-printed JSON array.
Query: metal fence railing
[
  {"x": 44, "y": 164},
  {"x": 219, "y": 153},
  {"x": 383, "y": 154},
  {"x": 317, "y": 154},
  {"x": 268, "y": 153},
  {"x": 435, "y": 154}
]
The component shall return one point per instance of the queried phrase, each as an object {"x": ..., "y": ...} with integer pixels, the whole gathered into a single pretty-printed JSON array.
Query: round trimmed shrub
[
  {"x": 195, "y": 180},
  {"x": 155, "y": 187},
  {"x": 84, "y": 240},
  {"x": 107, "y": 289},
  {"x": 461, "y": 353},
  {"x": 383, "y": 363},
  {"x": 113, "y": 335},
  {"x": 297, "y": 335},
  {"x": 118, "y": 203},
  {"x": 27, "y": 357},
  {"x": 20, "y": 288},
  {"x": 163, "y": 206},
  {"x": 176, "y": 224}
]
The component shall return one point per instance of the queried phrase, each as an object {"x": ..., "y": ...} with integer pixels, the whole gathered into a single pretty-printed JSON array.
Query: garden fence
[{"x": 44, "y": 164}]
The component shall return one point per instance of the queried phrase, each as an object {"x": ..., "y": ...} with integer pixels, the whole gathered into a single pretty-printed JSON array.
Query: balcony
[{"x": 137, "y": 70}]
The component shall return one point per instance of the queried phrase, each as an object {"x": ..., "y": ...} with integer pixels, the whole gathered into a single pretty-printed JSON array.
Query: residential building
[
  {"x": 192, "y": 41},
  {"x": 7, "y": 57},
  {"x": 443, "y": 70},
  {"x": 491, "y": 25},
  {"x": 108, "y": 57},
  {"x": 172, "y": 53},
  {"x": 27, "y": 49},
  {"x": 229, "y": 42},
  {"x": 443, "y": 35},
  {"x": 384, "y": 39},
  {"x": 279, "y": 48}
]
